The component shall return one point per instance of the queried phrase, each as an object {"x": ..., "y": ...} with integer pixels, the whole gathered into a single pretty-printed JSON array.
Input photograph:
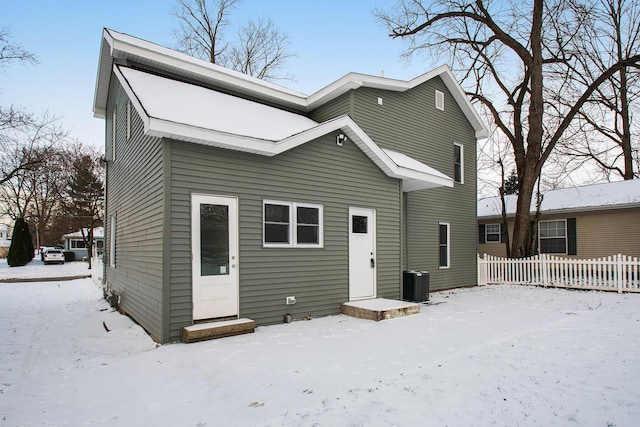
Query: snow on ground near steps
[{"x": 496, "y": 355}]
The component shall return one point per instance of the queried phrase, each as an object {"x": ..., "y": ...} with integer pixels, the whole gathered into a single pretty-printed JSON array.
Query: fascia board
[
  {"x": 166, "y": 129},
  {"x": 103, "y": 76},
  {"x": 144, "y": 52}
]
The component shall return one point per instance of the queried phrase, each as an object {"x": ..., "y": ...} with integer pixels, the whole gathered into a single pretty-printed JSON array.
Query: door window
[{"x": 214, "y": 240}]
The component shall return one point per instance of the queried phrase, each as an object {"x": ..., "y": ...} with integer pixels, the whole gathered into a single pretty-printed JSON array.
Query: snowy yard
[{"x": 495, "y": 355}]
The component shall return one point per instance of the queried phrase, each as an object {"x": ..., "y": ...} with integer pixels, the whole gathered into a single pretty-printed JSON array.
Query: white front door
[
  {"x": 362, "y": 253},
  {"x": 214, "y": 252}
]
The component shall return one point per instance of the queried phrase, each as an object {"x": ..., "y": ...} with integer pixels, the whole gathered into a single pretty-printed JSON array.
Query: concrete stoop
[
  {"x": 379, "y": 309},
  {"x": 215, "y": 330}
]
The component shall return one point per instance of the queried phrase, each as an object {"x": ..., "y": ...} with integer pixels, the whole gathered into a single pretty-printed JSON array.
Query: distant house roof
[
  {"x": 611, "y": 195},
  {"x": 98, "y": 233},
  {"x": 146, "y": 54}
]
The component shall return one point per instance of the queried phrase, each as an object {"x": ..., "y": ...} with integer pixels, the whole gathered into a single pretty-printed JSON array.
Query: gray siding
[
  {"x": 316, "y": 172},
  {"x": 338, "y": 107},
  {"x": 410, "y": 123},
  {"x": 135, "y": 195}
]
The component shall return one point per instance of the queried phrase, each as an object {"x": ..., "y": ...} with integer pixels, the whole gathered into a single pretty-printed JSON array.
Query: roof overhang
[
  {"x": 413, "y": 174},
  {"x": 128, "y": 49}
]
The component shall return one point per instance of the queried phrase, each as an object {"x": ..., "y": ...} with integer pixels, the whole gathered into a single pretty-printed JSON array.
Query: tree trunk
[{"x": 520, "y": 242}]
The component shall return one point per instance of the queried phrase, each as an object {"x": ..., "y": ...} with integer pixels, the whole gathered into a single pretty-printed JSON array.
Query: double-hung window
[
  {"x": 553, "y": 237},
  {"x": 492, "y": 233},
  {"x": 458, "y": 163},
  {"x": 114, "y": 131},
  {"x": 444, "y": 250},
  {"x": 289, "y": 224}
]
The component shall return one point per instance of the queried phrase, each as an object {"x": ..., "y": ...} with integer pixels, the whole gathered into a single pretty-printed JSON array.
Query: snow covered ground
[{"x": 495, "y": 355}]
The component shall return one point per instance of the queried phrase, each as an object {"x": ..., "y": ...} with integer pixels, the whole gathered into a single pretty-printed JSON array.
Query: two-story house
[{"x": 227, "y": 195}]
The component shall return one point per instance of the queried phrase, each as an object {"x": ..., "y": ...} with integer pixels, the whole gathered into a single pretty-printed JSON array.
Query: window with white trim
[
  {"x": 114, "y": 128},
  {"x": 128, "y": 120},
  {"x": 444, "y": 249},
  {"x": 290, "y": 224},
  {"x": 112, "y": 242},
  {"x": 440, "y": 100},
  {"x": 458, "y": 163},
  {"x": 553, "y": 237},
  {"x": 492, "y": 233}
]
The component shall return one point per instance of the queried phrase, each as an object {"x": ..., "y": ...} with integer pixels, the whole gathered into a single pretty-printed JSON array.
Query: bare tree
[
  {"x": 201, "y": 27},
  {"x": 510, "y": 53},
  {"x": 606, "y": 119},
  {"x": 11, "y": 52},
  {"x": 260, "y": 49}
]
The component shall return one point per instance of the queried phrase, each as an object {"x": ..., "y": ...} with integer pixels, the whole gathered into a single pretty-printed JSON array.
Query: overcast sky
[{"x": 329, "y": 37}]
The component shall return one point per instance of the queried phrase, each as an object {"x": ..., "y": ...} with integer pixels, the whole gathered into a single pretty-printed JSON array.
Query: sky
[{"x": 329, "y": 38}]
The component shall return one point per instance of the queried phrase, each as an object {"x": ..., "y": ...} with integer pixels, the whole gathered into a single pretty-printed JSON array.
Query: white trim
[
  {"x": 125, "y": 47},
  {"x": 448, "y": 225},
  {"x": 114, "y": 131},
  {"x": 457, "y": 144},
  {"x": 128, "y": 120},
  {"x": 439, "y": 100},
  {"x": 293, "y": 225}
]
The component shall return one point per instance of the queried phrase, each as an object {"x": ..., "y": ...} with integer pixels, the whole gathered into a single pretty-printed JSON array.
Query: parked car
[{"x": 53, "y": 255}]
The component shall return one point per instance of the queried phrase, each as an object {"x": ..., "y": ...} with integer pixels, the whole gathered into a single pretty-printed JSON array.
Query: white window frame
[
  {"x": 128, "y": 120},
  {"x": 114, "y": 128},
  {"x": 439, "y": 100},
  {"x": 486, "y": 233},
  {"x": 444, "y": 267},
  {"x": 293, "y": 225},
  {"x": 566, "y": 237},
  {"x": 456, "y": 144},
  {"x": 112, "y": 242}
]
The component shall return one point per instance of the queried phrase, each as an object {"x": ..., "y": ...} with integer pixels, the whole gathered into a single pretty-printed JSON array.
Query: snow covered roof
[
  {"x": 98, "y": 233},
  {"x": 173, "y": 101},
  {"x": 611, "y": 195},
  {"x": 124, "y": 47},
  {"x": 182, "y": 111}
]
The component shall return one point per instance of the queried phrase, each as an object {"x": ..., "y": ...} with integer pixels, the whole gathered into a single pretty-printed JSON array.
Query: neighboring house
[
  {"x": 5, "y": 240},
  {"x": 74, "y": 242},
  {"x": 592, "y": 221},
  {"x": 226, "y": 194}
]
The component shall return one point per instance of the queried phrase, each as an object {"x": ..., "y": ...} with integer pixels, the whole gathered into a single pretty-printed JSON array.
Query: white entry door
[
  {"x": 362, "y": 253},
  {"x": 214, "y": 251}
]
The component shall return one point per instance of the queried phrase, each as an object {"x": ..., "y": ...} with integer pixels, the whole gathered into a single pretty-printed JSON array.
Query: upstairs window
[
  {"x": 114, "y": 128},
  {"x": 458, "y": 163},
  {"x": 128, "y": 121},
  {"x": 443, "y": 245},
  {"x": 440, "y": 100}
]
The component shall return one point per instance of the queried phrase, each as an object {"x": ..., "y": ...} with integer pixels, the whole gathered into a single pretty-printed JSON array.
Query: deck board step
[
  {"x": 379, "y": 309},
  {"x": 215, "y": 330}
]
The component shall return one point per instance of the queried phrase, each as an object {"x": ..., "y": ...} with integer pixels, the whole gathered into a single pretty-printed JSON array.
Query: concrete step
[
  {"x": 215, "y": 330},
  {"x": 379, "y": 309}
]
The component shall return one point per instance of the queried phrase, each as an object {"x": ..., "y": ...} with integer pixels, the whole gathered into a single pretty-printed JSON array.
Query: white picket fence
[{"x": 619, "y": 273}]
